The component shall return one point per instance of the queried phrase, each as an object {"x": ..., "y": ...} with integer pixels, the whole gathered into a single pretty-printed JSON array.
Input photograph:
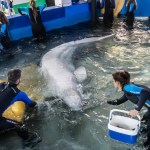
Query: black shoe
[{"x": 32, "y": 141}]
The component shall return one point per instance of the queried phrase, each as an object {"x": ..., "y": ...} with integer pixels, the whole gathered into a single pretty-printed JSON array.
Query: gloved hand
[{"x": 112, "y": 102}]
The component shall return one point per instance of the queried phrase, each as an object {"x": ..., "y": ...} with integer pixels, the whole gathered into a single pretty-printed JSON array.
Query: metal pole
[{"x": 7, "y": 1}]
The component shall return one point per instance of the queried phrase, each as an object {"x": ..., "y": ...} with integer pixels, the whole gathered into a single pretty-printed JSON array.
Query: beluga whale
[{"x": 61, "y": 75}]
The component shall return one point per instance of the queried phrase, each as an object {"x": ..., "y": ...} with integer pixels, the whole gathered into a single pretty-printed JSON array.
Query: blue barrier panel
[
  {"x": 77, "y": 13},
  {"x": 143, "y": 8},
  {"x": 51, "y": 13},
  {"x": 20, "y": 33},
  {"x": 73, "y": 14},
  {"x": 52, "y": 17},
  {"x": 77, "y": 9},
  {"x": 18, "y": 21}
]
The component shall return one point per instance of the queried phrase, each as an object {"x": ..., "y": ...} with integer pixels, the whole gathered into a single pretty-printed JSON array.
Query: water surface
[{"x": 59, "y": 127}]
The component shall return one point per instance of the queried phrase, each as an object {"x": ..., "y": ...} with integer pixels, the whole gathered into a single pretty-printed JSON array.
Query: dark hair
[
  {"x": 32, "y": 3},
  {"x": 13, "y": 75},
  {"x": 122, "y": 76},
  {"x": 3, "y": 18}
]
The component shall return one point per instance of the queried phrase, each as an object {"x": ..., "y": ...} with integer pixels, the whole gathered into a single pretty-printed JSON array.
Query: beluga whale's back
[{"x": 61, "y": 75}]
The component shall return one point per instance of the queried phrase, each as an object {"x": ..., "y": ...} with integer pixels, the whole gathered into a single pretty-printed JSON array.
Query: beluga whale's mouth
[{"x": 62, "y": 77}]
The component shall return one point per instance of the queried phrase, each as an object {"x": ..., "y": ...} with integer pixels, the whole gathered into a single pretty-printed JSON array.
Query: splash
[{"x": 58, "y": 69}]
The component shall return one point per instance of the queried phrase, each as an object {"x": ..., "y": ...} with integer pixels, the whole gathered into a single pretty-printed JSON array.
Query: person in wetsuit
[
  {"x": 99, "y": 5},
  {"x": 108, "y": 14},
  {"x": 9, "y": 94},
  {"x": 34, "y": 13},
  {"x": 137, "y": 94},
  {"x": 4, "y": 38},
  {"x": 131, "y": 7}
]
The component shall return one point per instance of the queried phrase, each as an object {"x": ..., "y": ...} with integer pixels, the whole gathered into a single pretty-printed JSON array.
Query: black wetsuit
[
  {"x": 108, "y": 15},
  {"x": 9, "y": 93},
  {"x": 131, "y": 7},
  {"x": 139, "y": 95},
  {"x": 38, "y": 29}
]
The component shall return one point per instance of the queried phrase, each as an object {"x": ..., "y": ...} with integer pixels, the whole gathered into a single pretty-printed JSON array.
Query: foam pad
[
  {"x": 15, "y": 112},
  {"x": 1, "y": 81}
]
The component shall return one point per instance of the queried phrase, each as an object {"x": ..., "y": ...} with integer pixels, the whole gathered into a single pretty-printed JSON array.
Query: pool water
[{"x": 57, "y": 125}]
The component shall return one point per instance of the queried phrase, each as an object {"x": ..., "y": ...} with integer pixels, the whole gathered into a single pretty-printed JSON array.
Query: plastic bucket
[{"x": 122, "y": 128}]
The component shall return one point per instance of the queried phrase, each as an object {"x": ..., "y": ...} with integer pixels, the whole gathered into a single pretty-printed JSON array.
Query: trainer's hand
[
  {"x": 112, "y": 102},
  {"x": 133, "y": 113}
]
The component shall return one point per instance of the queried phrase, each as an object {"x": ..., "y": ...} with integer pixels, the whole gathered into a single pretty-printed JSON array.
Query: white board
[
  {"x": 16, "y": 2},
  {"x": 63, "y": 3}
]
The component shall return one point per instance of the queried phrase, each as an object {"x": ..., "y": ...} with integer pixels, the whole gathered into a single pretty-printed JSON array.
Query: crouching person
[
  {"x": 137, "y": 94},
  {"x": 12, "y": 108}
]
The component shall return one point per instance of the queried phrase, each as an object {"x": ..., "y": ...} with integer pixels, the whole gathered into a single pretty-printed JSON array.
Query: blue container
[
  {"x": 130, "y": 139},
  {"x": 124, "y": 129}
]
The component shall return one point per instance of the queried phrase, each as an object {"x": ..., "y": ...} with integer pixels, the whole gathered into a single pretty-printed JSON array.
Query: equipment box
[
  {"x": 122, "y": 128},
  {"x": 63, "y": 3}
]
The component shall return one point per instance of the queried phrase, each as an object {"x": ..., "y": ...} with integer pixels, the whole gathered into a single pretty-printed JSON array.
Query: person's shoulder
[
  {"x": 133, "y": 88},
  {"x": 2, "y": 85},
  {"x": 21, "y": 93},
  {"x": 129, "y": 87}
]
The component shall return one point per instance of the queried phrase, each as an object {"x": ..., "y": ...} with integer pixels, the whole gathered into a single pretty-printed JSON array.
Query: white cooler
[{"x": 122, "y": 128}]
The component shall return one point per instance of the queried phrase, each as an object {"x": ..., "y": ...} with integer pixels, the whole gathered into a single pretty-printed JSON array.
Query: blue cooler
[{"x": 122, "y": 128}]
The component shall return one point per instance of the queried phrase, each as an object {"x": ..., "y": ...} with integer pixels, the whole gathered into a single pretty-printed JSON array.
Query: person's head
[
  {"x": 32, "y": 4},
  {"x": 121, "y": 78},
  {"x": 14, "y": 76},
  {"x": 3, "y": 18}
]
